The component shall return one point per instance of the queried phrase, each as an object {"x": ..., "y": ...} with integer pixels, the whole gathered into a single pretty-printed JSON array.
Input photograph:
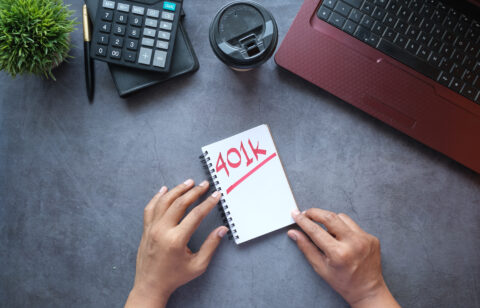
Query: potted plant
[{"x": 34, "y": 36}]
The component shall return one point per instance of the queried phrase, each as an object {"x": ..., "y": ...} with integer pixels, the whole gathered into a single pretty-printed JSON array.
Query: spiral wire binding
[{"x": 222, "y": 206}]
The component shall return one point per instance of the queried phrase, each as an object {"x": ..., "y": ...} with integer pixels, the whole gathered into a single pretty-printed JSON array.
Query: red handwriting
[{"x": 234, "y": 157}]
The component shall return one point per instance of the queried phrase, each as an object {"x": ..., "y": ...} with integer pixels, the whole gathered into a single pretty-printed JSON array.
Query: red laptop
[{"x": 414, "y": 64}]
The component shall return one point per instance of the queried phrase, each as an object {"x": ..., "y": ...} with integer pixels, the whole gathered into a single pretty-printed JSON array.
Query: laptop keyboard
[{"x": 426, "y": 35}]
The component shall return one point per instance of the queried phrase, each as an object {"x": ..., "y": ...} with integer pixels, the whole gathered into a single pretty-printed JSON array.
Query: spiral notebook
[{"x": 256, "y": 196}]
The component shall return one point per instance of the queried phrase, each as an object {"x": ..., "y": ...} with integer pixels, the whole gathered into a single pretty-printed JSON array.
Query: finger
[
  {"x": 176, "y": 211},
  {"x": 350, "y": 222},
  {"x": 317, "y": 234},
  {"x": 205, "y": 254},
  {"x": 167, "y": 200},
  {"x": 311, "y": 252},
  {"x": 330, "y": 220},
  {"x": 149, "y": 209},
  {"x": 191, "y": 222}
]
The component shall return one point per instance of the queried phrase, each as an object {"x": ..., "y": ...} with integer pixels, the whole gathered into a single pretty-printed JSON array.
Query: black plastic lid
[{"x": 243, "y": 35}]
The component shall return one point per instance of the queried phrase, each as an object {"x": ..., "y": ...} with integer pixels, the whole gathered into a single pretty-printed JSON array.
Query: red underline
[{"x": 243, "y": 178}]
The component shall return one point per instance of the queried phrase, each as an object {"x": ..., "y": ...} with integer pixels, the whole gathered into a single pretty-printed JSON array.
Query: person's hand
[
  {"x": 164, "y": 262},
  {"x": 345, "y": 256}
]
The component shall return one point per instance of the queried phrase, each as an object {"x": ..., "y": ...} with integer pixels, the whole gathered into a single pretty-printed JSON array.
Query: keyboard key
[
  {"x": 107, "y": 15},
  {"x": 458, "y": 71},
  {"x": 390, "y": 20},
  {"x": 381, "y": 3},
  {"x": 435, "y": 44},
  {"x": 164, "y": 35},
  {"x": 401, "y": 27},
  {"x": 373, "y": 40},
  {"x": 105, "y": 27},
  {"x": 108, "y": 4},
  {"x": 101, "y": 51},
  {"x": 323, "y": 13},
  {"x": 427, "y": 26},
  {"x": 378, "y": 28},
  {"x": 149, "y": 32},
  {"x": 165, "y": 25},
  {"x": 350, "y": 27},
  {"x": 147, "y": 42},
  {"x": 132, "y": 44},
  {"x": 162, "y": 44},
  {"x": 446, "y": 65},
  {"x": 412, "y": 47},
  {"x": 393, "y": 7},
  {"x": 415, "y": 20},
  {"x": 336, "y": 20},
  {"x": 329, "y": 3},
  {"x": 145, "y": 56},
  {"x": 401, "y": 41},
  {"x": 446, "y": 50},
  {"x": 367, "y": 8},
  {"x": 379, "y": 13},
  {"x": 423, "y": 38},
  {"x": 150, "y": 22},
  {"x": 123, "y": 7},
  {"x": 119, "y": 30},
  {"x": 435, "y": 59},
  {"x": 407, "y": 59},
  {"x": 470, "y": 93},
  {"x": 115, "y": 53},
  {"x": 423, "y": 53},
  {"x": 135, "y": 33},
  {"x": 354, "y": 3},
  {"x": 404, "y": 13},
  {"x": 168, "y": 16},
  {"x": 469, "y": 77},
  {"x": 412, "y": 32},
  {"x": 136, "y": 21},
  {"x": 170, "y": 6},
  {"x": 363, "y": 34},
  {"x": 356, "y": 16},
  {"x": 390, "y": 35},
  {"x": 139, "y": 10},
  {"x": 117, "y": 42},
  {"x": 342, "y": 8},
  {"x": 153, "y": 13},
  {"x": 121, "y": 18},
  {"x": 444, "y": 79},
  {"x": 102, "y": 39},
  {"x": 159, "y": 58},
  {"x": 367, "y": 22},
  {"x": 456, "y": 85},
  {"x": 130, "y": 56}
]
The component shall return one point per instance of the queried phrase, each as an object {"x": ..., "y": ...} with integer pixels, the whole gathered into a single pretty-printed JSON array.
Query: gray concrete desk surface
[{"x": 74, "y": 179}]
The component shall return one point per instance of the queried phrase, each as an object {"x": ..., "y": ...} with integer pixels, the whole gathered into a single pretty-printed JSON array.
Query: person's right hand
[{"x": 345, "y": 256}]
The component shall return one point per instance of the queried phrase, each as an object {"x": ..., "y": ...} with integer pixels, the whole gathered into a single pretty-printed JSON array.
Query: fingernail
[
  {"x": 221, "y": 233},
  {"x": 204, "y": 183},
  {"x": 292, "y": 236},
  {"x": 304, "y": 212},
  {"x": 215, "y": 194},
  {"x": 188, "y": 182},
  {"x": 295, "y": 213},
  {"x": 163, "y": 189}
]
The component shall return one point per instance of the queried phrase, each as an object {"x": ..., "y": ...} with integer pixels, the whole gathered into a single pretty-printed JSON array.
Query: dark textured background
[{"x": 74, "y": 179}]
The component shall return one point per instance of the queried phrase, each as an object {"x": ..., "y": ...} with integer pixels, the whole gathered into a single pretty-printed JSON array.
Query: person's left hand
[{"x": 164, "y": 262}]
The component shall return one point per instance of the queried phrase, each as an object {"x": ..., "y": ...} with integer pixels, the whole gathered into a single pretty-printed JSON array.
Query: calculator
[{"x": 136, "y": 33}]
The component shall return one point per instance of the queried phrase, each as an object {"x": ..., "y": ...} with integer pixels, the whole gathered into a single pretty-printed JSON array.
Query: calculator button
[
  {"x": 121, "y": 18},
  {"x": 147, "y": 42},
  {"x": 153, "y": 13},
  {"x": 135, "y": 33},
  {"x": 123, "y": 7},
  {"x": 149, "y": 22},
  {"x": 115, "y": 53},
  {"x": 169, "y": 6},
  {"x": 162, "y": 44},
  {"x": 145, "y": 56},
  {"x": 108, "y": 4},
  {"x": 160, "y": 58},
  {"x": 149, "y": 32},
  {"x": 130, "y": 56},
  {"x": 101, "y": 51},
  {"x": 138, "y": 10},
  {"x": 102, "y": 39},
  {"x": 117, "y": 42},
  {"x": 107, "y": 15},
  {"x": 168, "y": 15},
  {"x": 105, "y": 27},
  {"x": 165, "y": 25},
  {"x": 136, "y": 21},
  {"x": 132, "y": 44},
  {"x": 164, "y": 35},
  {"x": 119, "y": 30}
]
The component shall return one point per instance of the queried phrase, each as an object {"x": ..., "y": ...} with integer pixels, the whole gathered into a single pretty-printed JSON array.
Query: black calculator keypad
[{"x": 136, "y": 33}]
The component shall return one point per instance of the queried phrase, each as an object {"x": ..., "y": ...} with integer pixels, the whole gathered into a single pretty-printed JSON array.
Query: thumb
[{"x": 208, "y": 247}]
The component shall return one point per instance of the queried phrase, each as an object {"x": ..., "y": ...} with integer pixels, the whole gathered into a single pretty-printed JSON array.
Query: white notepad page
[{"x": 256, "y": 189}]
